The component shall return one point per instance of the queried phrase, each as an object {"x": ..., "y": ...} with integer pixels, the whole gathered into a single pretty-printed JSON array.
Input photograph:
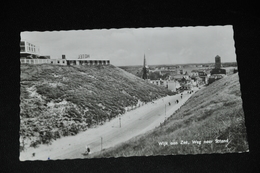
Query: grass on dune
[
  {"x": 212, "y": 113},
  {"x": 60, "y": 100}
]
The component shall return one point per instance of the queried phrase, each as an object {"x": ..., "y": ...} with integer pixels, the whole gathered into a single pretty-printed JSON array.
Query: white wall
[
  {"x": 42, "y": 61},
  {"x": 172, "y": 85}
]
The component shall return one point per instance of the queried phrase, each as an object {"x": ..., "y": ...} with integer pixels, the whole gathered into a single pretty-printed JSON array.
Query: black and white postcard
[{"x": 106, "y": 93}]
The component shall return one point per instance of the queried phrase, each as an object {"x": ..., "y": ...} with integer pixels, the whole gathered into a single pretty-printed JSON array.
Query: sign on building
[{"x": 83, "y": 56}]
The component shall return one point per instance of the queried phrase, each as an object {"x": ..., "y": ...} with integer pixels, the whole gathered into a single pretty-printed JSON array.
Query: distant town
[
  {"x": 183, "y": 76},
  {"x": 175, "y": 77}
]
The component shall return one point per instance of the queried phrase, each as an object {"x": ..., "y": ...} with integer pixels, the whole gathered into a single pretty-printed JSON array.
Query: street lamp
[
  {"x": 101, "y": 142},
  {"x": 119, "y": 121},
  {"x": 165, "y": 111}
]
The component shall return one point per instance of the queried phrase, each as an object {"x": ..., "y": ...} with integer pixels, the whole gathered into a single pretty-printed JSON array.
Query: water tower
[{"x": 217, "y": 62}]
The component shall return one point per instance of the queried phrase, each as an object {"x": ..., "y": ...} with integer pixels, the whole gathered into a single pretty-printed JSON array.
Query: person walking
[{"x": 87, "y": 150}]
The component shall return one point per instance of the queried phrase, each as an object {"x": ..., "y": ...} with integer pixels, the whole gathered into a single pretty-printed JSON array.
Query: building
[
  {"x": 28, "y": 50},
  {"x": 30, "y": 54},
  {"x": 43, "y": 61},
  {"x": 45, "y": 57},
  {"x": 207, "y": 79},
  {"x": 217, "y": 69},
  {"x": 66, "y": 61},
  {"x": 173, "y": 85},
  {"x": 204, "y": 76},
  {"x": 180, "y": 77},
  {"x": 170, "y": 72},
  {"x": 145, "y": 70},
  {"x": 194, "y": 73},
  {"x": 217, "y": 62},
  {"x": 202, "y": 73},
  {"x": 88, "y": 61},
  {"x": 215, "y": 77}
]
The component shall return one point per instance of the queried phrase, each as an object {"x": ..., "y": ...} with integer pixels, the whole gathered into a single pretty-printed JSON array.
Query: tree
[{"x": 155, "y": 75}]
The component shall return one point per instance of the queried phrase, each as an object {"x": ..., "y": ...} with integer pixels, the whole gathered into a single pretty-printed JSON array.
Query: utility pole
[
  {"x": 165, "y": 111},
  {"x": 101, "y": 142},
  {"x": 119, "y": 121}
]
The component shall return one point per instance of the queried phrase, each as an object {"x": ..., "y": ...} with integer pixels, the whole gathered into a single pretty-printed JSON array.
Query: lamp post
[
  {"x": 101, "y": 142},
  {"x": 119, "y": 121},
  {"x": 165, "y": 111}
]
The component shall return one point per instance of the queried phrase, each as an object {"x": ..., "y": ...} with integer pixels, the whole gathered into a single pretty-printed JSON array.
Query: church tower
[{"x": 145, "y": 70}]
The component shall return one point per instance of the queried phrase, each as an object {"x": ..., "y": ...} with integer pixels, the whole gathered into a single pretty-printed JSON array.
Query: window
[
  {"x": 22, "y": 49},
  {"x": 58, "y": 61}
]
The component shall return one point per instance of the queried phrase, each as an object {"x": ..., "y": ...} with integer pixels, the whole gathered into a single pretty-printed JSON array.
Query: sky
[{"x": 127, "y": 46}]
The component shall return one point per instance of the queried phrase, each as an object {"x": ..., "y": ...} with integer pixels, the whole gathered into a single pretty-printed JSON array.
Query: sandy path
[{"x": 133, "y": 123}]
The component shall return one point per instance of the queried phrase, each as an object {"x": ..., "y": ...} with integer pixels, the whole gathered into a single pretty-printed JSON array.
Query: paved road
[{"x": 132, "y": 123}]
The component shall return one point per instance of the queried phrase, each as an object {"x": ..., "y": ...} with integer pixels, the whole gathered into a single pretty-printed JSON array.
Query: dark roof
[{"x": 217, "y": 75}]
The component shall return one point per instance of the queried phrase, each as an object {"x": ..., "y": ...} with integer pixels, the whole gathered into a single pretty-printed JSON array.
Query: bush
[
  {"x": 34, "y": 144},
  {"x": 83, "y": 88},
  {"x": 46, "y": 137}
]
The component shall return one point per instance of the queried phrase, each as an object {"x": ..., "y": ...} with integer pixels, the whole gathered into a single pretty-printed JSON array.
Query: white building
[
  {"x": 88, "y": 61},
  {"x": 193, "y": 82},
  {"x": 44, "y": 61},
  {"x": 30, "y": 54},
  {"x": 173, "y": 85},
  {"x": 28, "y": 50}
]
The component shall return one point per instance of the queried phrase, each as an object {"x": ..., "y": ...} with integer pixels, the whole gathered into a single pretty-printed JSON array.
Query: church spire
[
  {"x": 145, "y": 69},
  {"x": 144, "y": 61}
]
